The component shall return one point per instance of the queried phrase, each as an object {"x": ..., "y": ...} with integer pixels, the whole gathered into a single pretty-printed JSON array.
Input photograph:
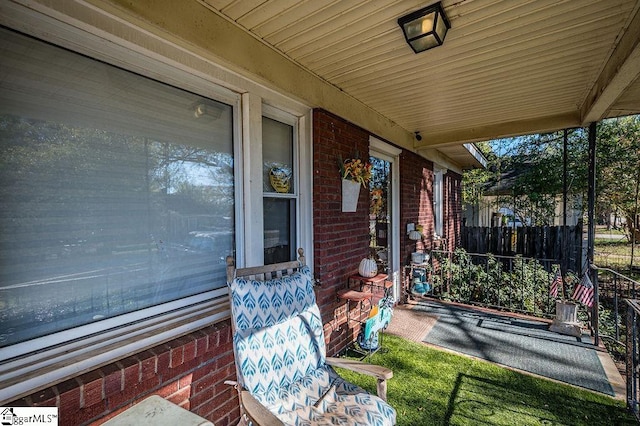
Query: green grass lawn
[{"x": 432, "y": 387}]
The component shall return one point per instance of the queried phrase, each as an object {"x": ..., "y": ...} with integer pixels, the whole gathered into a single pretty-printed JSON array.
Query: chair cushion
[
  {"x": 324, "y": 398},
  {"x": 279, "y": 335}
]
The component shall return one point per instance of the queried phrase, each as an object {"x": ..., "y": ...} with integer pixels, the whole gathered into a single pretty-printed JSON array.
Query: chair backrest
[{"x": 278, "y": 332}]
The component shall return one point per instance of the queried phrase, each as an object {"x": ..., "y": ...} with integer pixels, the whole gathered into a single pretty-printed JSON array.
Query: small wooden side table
[
  {"x": 360, "y": 289},
  {"x": 354, "y": 295},
  {"x": 357, "y": 297},
  {"x": 378, "y": 285}
]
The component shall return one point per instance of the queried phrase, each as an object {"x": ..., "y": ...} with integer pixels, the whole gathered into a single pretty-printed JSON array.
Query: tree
[
  {"x": 475, "y": 181},
  {"x": 618, "y": 170},
  {"x": 525, "y": 174},
  {"x": 534, "y": 165}
]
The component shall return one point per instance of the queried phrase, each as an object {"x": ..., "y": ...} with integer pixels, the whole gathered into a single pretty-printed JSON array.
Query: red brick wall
[
  {"x": 416, "y": 204},
  {"x": 189, "y": 371},
  {"x": 341, "y": 240},
  {"x": 453, "y": 209}
]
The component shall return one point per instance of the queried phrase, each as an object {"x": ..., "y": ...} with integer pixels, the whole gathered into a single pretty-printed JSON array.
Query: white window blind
[{"x": 117, "y": 191}]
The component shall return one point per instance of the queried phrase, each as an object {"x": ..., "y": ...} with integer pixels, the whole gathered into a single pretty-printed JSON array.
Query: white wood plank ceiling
[{"x": 507, "y": 67}]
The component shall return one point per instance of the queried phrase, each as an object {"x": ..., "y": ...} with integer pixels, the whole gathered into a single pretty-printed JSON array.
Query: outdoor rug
[{"x": 522, "y": 344}]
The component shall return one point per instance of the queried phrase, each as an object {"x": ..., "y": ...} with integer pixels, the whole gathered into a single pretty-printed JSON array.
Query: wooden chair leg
[{"x": 382, "y": 389}]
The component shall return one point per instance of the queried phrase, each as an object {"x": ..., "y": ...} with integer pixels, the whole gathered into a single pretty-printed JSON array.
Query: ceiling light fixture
[{"x": 425, "y": 28}]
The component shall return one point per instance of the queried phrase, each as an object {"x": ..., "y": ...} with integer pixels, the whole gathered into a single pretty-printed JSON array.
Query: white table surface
[{"x": 157, "y": 411}]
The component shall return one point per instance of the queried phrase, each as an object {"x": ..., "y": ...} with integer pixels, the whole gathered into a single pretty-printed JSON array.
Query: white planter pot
[
  {"x": 566, "y": 320},
  {"x": 566, "y": 311},
  {"x": 350, "y": 195}
]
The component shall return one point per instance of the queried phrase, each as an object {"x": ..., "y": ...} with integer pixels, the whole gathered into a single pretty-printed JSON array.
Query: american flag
[
  {"x": 583, "y": 292},
  {"x": 557, "y": 280}
]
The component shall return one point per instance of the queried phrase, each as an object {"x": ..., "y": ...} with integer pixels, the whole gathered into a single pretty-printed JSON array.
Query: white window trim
[
  {"x": 252, "y": 196},
  {"x": 82, "y": 28},
  {"x": 286, "y": 118},
  {"x": 438, "y": 200},
  {"x": 253, "y": 110},
  {"x": 305, "y": 185}
]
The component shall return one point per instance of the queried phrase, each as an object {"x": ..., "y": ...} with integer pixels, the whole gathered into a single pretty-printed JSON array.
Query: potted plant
[{"x": 354, "y": 173}]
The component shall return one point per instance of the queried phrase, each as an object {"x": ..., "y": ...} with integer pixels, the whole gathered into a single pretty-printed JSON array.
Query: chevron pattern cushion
[{"x": 280, "y": 355}]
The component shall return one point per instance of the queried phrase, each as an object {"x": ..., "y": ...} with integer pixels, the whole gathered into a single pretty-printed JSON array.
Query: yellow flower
[{"x": 356, "y": 170}]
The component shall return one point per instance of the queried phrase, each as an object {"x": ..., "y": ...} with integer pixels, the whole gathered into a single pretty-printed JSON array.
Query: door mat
[{"x": 517, "y": 343}]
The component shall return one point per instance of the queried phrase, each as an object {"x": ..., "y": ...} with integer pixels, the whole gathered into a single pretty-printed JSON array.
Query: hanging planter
[
  {"x": 350, "y": 195},
  {"x": 354, "y": 173}
]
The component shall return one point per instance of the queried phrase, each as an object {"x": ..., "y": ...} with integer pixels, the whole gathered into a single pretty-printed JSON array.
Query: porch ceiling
[{"x": 507, "y": 67}]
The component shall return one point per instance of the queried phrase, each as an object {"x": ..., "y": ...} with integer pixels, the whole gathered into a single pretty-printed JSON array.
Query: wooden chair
[{"x": 284, "y": 375}]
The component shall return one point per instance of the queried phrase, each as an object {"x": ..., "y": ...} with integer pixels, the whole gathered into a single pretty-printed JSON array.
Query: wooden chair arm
[
  {"x": 377, "y": 371},
  {"x": 257, "y": 412}
]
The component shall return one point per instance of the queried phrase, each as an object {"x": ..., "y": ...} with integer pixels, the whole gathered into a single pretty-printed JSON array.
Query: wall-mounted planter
[{"x": 350, "y": 195}]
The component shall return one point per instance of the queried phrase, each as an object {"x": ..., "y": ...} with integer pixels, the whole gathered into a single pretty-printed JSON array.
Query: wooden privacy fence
[{"x": 540, "y": 242}]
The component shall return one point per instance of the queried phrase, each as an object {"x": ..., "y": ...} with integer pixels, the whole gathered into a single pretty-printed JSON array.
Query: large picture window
[{"x": 117, "y": 191}]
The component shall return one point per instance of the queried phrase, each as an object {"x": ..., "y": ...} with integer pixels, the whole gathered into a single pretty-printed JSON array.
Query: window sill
[{"x": 28, "y": 373}]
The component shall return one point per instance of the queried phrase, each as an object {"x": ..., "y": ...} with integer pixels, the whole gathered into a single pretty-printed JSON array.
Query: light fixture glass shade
[
  {"x": 442, "y": 26},
  {"x": 420, "y": 26},
  {"x": 425, "y": 28},
  {"x": 424, "y": 43}
]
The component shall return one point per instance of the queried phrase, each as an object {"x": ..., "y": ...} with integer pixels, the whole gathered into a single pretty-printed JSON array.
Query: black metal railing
[
  {"x": 633, "y": 355},
  {"x": 511, "y": 283},
  {"x": 619, "y": 292},
  {"x": 614, "y": 287},
  {"x": 519, "y": 284}
]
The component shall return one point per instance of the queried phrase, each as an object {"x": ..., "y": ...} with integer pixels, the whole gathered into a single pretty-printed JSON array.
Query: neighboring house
[
  {"x": 497, "y": 207},
  {"x": 134, "y": 162},
  {"x": 493, "y": 210}
]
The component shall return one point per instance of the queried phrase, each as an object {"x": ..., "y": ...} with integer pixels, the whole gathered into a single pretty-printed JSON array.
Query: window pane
[
  {"x": 279, "y": 227},
  {"x": 117, "y": 191},
  {"x": 277, "y": 156},
  {"x": 380, "y": 211}
]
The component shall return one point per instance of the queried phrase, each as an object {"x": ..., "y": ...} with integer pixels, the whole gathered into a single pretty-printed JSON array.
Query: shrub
[{"x": 512, "y": 283}]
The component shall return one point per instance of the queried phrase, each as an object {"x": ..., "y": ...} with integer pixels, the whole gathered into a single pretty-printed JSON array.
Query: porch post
[{"x": 592, "y": 229}]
